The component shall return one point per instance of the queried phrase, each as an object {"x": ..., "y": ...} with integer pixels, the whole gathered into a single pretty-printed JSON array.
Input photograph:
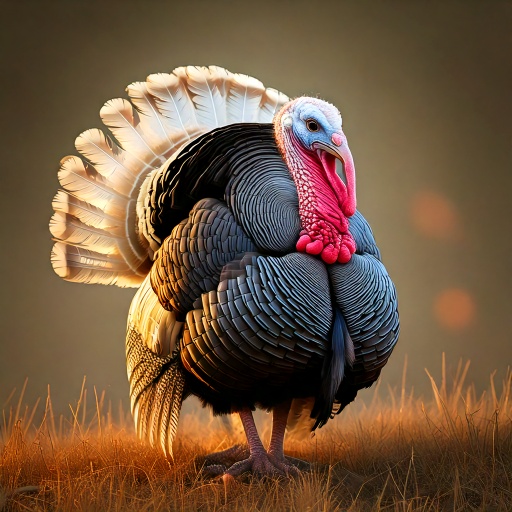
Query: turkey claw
[
  {"x": 258, "y": 464},
  {"x": 214, "y": 470},
  {"x": 216, "y": 464},
  {"x": 236, "y": 461},
  {"x": 290, "y": 465},
  {"x": 300, "y": 464},
  {"x": 227, "y": 457}
]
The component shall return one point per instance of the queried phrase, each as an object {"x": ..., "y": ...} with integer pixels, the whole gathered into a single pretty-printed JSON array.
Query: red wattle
[
  {"x": 344, "y": 255},
  {"x": 329, "y": 254},
  {"x": 302, "y": 242},
  {"x": 315, "y": 247},
  {"x": 349, "y": 242},
  {"x": 325, "y": 201}
]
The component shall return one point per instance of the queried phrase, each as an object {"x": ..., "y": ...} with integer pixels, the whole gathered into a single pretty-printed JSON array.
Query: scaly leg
[
  {"x": 237, "y": 460},
  {"x": 279, "y": 420},
  {"x": 288, "y": 465},
  {"x": 257, "y": 459}
]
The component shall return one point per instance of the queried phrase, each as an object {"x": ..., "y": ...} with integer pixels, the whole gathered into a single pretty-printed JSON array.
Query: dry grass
[{"x": 394, "y": 452}]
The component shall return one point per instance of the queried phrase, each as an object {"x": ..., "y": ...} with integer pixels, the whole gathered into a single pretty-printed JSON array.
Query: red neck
[
  {"x": 323, "y": 198},
  {"x": 319, "y": 188}
]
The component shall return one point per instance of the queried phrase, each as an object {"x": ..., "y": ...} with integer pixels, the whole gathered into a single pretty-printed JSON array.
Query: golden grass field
[{"x": 389, "y": 451}]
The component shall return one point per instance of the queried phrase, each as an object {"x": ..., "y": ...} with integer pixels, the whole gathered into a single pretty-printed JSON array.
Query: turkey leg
[
  {"x": 259, "y": 461},
  {"x": 255, "y": 460},
  {"x": 289, "y": 465},
  {"x": 279, "y": 420}
]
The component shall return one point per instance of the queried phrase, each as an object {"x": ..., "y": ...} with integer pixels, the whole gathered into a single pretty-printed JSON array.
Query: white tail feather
[
  {"x": 96, "y": 211},
  {"x": 173, "y": 101},
  {"x": 71, "y": 230},
  {"x": 87, "y": 213},
  {"x": 112, "y": 162},
  {"x": 271, "y": 102},
  {"x": 164, "y": 138},
  {"x": 206, "y": 86},
  {"x": 125, "y": 123},
  {"x": 243, "y": 99},
  {"x": 83, "y": 266},
  {"x": 82, "y": 180}
]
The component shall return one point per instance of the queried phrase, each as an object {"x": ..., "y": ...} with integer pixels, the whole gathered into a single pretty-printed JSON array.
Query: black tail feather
[{"x": 333, "y": 370}]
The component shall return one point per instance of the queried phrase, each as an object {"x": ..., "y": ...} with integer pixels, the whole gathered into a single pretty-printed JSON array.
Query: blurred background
[{"x": 425, "y": 91}]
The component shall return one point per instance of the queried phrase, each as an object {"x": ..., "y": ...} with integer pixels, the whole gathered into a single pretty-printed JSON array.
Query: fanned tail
[
  {"x": 95, "y": 225},
  {"x": 92, "y": 220}
]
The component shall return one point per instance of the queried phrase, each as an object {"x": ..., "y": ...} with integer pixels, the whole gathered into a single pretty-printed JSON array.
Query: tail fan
[{"x": 95, "y": 225}]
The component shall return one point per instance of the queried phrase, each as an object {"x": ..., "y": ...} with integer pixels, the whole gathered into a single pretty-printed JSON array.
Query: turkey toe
[
  {"x": 227, "y": 457},
  {"x": 258, "y": 464}
]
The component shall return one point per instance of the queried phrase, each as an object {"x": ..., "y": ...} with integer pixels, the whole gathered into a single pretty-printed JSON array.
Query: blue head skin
[
  {"x": 311, "y": 129},
  {"x": 315, "y": 122}
]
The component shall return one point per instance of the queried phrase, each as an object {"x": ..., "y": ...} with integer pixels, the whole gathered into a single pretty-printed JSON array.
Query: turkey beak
[{"x": 339, "y": 149}]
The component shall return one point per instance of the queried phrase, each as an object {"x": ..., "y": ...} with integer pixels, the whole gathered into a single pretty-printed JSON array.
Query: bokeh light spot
[
  {"x": 434, "y": 215},
  {"x": 454, "y": 309}
]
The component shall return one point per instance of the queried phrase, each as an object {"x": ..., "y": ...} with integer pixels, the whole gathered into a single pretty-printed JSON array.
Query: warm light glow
[
  {"x": 434, "y": 215},
  {"x": 454, "y": 308}
]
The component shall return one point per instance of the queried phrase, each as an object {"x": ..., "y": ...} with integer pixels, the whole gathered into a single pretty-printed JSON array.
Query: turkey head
[{"x": 309, "y": 134}]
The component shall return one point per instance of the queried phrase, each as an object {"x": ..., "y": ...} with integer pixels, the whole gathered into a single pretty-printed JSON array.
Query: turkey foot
[
  {"x": 258, "y": 461},
  {"x": 260, "y": 464},
  {"x": 217, "y": 463},
  {"x": 236, "y": 460},
  {"x": 228, "y": 457},
  {"x": 290, "y": 465},
  {"x": 272, "y": 463}
]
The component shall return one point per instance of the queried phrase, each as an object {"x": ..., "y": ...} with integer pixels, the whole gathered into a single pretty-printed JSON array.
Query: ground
[{"x": 390, "y": 451}]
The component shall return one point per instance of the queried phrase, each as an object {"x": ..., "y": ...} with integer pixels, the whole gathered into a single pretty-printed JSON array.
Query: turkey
[{"x": 259, "y": 283}]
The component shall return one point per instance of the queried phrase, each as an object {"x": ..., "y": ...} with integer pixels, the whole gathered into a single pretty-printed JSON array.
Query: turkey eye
[{"x": 311, "y": 125}]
